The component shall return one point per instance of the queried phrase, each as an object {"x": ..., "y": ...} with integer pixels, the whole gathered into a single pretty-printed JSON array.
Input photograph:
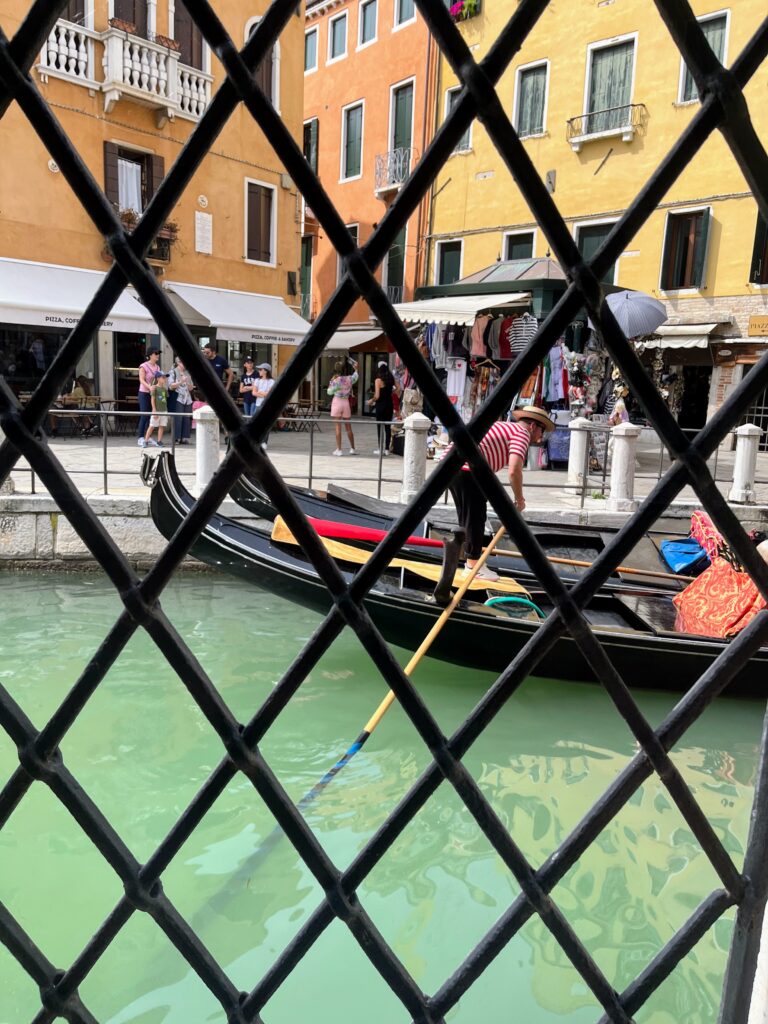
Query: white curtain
[{"x": 129, "y": 185}]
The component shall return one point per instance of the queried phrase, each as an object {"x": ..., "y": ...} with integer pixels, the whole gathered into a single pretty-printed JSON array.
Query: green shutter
[
  {"x": 519, "y": 247},
  {"x": 450, "y": 263},
  {"x": 310, "y": 50},
  {"x": 591, "y": 237},
  {"x": 403, "y": 127},
  {"x": 452, "y": 99},
  {"x": 714, "y": 33},
  {"x": 610, "y": 87},
  {"x": 530, "y": 104},
  {"x": 353, "y": 141},
  {"x": 758, "y": 272},
  {"x": 700, "y": 254},
  {"x": 311, "y": 133}
]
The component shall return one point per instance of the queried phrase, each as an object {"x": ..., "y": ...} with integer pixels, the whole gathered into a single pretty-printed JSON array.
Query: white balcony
[
  {"x": 151, "y": 74},
  {"x": 133, "y": 68},
  {"x": 69, "y": 54}
]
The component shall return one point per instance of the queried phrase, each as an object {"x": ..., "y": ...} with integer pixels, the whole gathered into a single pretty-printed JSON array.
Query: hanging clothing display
[
  {"x": 455, "y": 381},
  {"x": 477, "y": 346},
  {"x": 522, "y": 330}
]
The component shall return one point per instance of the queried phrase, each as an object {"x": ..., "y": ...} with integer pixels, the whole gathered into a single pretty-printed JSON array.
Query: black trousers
[
  {"x": 384, "y": 412},
  {"x": 471, "y": 507}
]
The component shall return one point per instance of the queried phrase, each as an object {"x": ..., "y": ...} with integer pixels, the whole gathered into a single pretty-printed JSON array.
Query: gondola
[
  {"x": 636, "y": 630},
  {"x": 576, "y": 544}
]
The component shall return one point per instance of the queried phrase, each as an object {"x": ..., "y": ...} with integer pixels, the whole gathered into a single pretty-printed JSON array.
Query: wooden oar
[
  {"x": 281, "y": 533},
  {"x": 619, "y": 568},
  {"x": 246, "y": 869}
]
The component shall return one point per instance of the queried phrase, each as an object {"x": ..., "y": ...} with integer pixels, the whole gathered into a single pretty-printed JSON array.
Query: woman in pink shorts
[{"x": 340, "y": 388}]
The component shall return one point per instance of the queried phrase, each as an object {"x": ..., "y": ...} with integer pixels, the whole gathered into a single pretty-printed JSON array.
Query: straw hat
[{"x": 533, "y": 412}]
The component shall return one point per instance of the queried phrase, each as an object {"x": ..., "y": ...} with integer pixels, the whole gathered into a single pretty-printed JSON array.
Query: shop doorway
[
  {"x": 695, "y": 397},
  {"x": 369, "y": 362}
]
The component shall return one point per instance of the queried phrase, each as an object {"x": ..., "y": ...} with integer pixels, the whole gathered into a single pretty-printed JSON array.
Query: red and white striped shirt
[{"x": 501, "y": 442}]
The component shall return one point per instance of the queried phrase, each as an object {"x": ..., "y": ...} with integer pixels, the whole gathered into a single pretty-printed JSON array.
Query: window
[
  {"x": 337, "y": 37},
  {"x": 589, "y": 238},
  {"x": 259, "y": 222},
  {"x": 610, "y": 87},
  {"x": 714, "y": 29},
  {"x": 531, "y": 100},
  {"x": 518, "y": 246},
  {"x": 135, "y": 13},
  {"x": 367, "y": 22},
  {"x": 758, "y": 273},
  {"x": 311, "y": 136},
  {"x": 188, "y": 36},
  {"x": 401, "y": 116},
  {"x": 448, "y": 262},
  {"x": 74, "y": 11},
  {"x": 393, "y": 277},
  {"x": 310, "y": 50},
  {"x": 352, "y": 141},
  {"x": 354, "y": 230},
  {"x": 131, "y": 178},
  {"x": 451, "y": 99},
  {"x": 685, "y": 250},
  {"x": 405, "y": 10},
  {"x": 267, "y": 75}
]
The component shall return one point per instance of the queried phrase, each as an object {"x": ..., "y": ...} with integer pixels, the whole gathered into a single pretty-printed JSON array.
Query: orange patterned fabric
[
  {"x": 718, "y": 603},
  {"x": 706, "y": 533}
]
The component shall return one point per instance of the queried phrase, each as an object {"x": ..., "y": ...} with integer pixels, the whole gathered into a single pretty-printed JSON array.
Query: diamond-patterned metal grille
[{"x": 723, "y": 107}]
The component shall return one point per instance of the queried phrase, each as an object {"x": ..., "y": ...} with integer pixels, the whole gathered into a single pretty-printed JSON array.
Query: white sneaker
[
  {"x": 486, "y": 573},
  {"x": 353, "y": 451},
  {"x": 338, "y": 452},
  {"x": 377, "y": 451},
  {"x": 386, "y": 453},
  {"x": 153, "y": 442},
  {"x": 142, "y": 442}
]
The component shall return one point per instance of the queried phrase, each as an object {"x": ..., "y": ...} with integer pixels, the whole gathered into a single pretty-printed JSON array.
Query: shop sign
[
  {"x": 59, "y": 320},
  {"x": 758, "y": 326}
]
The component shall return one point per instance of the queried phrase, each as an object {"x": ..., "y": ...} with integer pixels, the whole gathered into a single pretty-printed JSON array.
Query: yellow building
[
  {"x": 128, "y": 80},
  {"x": 599, "y": 94}
]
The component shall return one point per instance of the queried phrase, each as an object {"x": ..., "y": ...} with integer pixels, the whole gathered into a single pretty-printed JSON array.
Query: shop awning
[
  {"x": 458, "y": 309},
  {"x": 238, "y": 316},
  {"x": 343, "y": 341},
  {"x": 681, "y": 336},
  {"x": 49, "y": 295}
]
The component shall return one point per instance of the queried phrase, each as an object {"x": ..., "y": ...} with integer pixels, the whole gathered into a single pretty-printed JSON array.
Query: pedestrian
[
  {"x": 505, "y": 444},
  {"x": 247, "y": 380},
  {"x": 261, "y": 389},
  {"x": 221, "y": 367},
  {"x": 340, "y": 389},
  {"x": 383, "y": 388},
  {"x": 148, "y": 372},
  {"x": 180, "y": 385},
  {"x": 158, "y": 420}
]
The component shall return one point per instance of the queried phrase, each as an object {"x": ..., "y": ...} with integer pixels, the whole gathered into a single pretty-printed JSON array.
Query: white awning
[
  {"x": 457, "y": 309},
  {"x": 49, "y": 295},
  {"x": 681, "y": 336},
  {"x": 238, "y": 316},
  {"x": 342, "y": 341}
]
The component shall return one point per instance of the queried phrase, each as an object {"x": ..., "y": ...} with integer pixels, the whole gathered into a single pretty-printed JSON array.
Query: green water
[{"x": 142, "y": 749}]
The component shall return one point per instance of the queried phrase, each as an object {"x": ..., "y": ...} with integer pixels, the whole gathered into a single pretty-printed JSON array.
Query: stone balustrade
[{"x": 136, "y": 68}]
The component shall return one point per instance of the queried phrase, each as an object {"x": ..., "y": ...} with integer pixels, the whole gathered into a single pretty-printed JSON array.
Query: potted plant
[
  {"x": 463, "y": 9},
  {"x": 129, "y": 218},
  {"x": 169, "y": 231},
  {"x": 123, "y": 26},
  {"x": 169, "y": 43}
]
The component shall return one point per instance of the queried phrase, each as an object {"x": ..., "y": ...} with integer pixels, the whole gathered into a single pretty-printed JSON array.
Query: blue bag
[{"x": 686, "y": 556}]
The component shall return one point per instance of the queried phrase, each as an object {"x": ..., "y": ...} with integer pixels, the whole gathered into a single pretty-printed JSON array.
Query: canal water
[{"x": 142, "y": 749}]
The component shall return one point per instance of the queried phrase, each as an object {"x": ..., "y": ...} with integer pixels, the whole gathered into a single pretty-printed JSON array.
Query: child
[{"x": 159, "y": 395}]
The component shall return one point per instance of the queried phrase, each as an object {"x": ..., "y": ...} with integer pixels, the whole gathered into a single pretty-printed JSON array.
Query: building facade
[
  {"x": 129, "y": 80},
  {"x": 368, "y": 69},
  {"x": 598, "y": 97}
]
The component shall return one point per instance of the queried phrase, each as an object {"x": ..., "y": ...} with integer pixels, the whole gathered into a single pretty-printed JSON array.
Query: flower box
[
  {"x": 462, "y": 10},
  {"x": 123, "y": 26},
  {"x": 166, "y": 41}
]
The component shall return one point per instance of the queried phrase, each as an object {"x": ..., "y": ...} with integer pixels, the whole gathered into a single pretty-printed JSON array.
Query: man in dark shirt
[{"x": 221, "y": 367}]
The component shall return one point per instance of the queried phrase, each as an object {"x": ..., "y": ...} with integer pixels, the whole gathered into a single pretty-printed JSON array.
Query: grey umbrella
[{"x": 636, "y": 313}]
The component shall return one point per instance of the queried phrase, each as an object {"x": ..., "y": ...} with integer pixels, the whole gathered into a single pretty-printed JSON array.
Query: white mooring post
[
  {"x": 7, "y": 487},
  {"x": 621, "y": 497},
  {"x": 577, "y": 452},
  {"x": 745, "y": 464},
  {"x": 206, "y": 445},
  {"x": 414, "y": 455}
]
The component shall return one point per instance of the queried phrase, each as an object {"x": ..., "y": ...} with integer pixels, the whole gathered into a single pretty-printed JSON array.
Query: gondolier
[{"x": 505, "y": 444}]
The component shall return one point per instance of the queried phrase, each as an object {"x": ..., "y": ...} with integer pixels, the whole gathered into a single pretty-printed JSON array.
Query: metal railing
[
  {"x": 42, "y": 759},
  {"x": 392, "y": 168},
  {"x": 627, "y": 117}
]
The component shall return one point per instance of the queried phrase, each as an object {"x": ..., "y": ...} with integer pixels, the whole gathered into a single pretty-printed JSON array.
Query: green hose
[{"x": 516, "y": 600}]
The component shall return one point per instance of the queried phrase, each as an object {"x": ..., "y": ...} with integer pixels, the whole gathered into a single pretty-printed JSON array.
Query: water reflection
[{"x": 143, "y": 749}]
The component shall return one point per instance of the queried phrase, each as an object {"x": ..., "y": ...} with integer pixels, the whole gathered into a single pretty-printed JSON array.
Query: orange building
[
  {"x": 368, "y": 116},
  {"x": 129, "y": 80}
]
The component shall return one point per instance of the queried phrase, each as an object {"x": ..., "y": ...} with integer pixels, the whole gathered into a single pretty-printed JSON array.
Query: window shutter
[
  {"x": 157, "y": 173},
  {"x": 666, "y": 258},
  {"x": 111, "y": 185},
  {"x": 264, "y": 76},
  {"x": 758, "y": 272},
  {"x": 134, "y": 11},
  {"x": 188, "y": 36},
  {"x": 74, "y": 12},
  {"x": 700, "y": 256},
  {"x": 259, "y": 223},
  {"x": 265, "y": 245}
]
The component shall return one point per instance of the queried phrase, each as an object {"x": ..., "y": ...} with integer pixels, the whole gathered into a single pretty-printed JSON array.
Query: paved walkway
[{"x": 295, "y": 454}]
